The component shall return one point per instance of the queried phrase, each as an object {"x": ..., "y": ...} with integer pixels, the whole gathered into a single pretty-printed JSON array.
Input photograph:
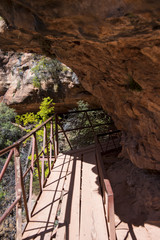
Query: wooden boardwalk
[{"x": 70, "y": 206}]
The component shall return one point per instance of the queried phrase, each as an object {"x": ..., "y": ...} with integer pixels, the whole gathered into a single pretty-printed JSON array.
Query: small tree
[
  {"x": 46, "y": 69},
  {"x": 31, "y": 120}
]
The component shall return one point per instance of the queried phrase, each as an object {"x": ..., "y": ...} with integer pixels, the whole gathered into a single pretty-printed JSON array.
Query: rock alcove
[{"x": 112, "y": 46}]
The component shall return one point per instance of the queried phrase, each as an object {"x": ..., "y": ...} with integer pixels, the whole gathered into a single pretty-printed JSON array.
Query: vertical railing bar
[
  {"x": 82, "y": 120},
  {"x": 51, "y": 142},
  {"x": 37, "y": 158},
  {"x": 53, "y": 139},
  {"x": 98, "y": 143},
  {"x": 24, "y": 196},
  {"x": 111, "y": 216},
  {"x": 56, "y": 135},
  {"x": 31, "y": 176},
  {"x": 42, "y": 161},
  {"x": 90, "y": 124},
  {"x": 18, "y": 189},
  {"x": 49, "y": 165},
  {"x": 113, "y": 141},
  {"x": 65, "y": 135}
]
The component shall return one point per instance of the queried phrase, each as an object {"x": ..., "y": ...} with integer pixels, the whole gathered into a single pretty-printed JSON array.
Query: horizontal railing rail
[
  {"x": 22, "y": 139},
  {"x": 112, "y": 140},
  {"x": 42, "y": 157},
  {"x": 107, "y": 121},
  {"x": 39, "y": 154}
]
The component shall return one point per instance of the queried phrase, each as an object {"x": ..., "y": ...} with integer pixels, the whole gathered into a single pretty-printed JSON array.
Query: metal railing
[
  {"x": 43, "y": 158},
  {"x": 112, "y": 140},
  {"x": 107, "y": 193},
  {"x": 85, "y": 122},
  {"x": 47, "y": 151}
]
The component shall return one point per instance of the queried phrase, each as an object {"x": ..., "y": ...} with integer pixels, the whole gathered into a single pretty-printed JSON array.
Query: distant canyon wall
[{"x": 18, "y": 91}]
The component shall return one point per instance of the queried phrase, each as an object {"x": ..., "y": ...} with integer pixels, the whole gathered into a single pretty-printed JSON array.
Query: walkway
[{"x": 70, "y": 206}]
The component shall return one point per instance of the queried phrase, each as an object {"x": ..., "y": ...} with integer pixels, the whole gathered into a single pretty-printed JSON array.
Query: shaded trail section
[{"x": 70, "y": 206}]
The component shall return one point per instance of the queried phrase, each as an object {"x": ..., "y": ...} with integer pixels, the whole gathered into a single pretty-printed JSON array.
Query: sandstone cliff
[
  {"x": 114, "y": 48},
  {"x": 17, "y": 88}
]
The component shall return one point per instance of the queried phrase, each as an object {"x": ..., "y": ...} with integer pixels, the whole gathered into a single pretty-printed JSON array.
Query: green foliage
[
  {"x": 83, "y": 137},
  {"x": 46, "y": 108},
  {"x": 46, "y": 69},
  {"x": 9, "y": 133},
  {"x": 27, "y": 119},
  {"x": 30, "y": 119},
  {"x": 33, "y": 120},
  {"x": 133, "y": 85}
]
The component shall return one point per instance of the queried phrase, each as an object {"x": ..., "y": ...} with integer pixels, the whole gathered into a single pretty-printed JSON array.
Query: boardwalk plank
[
  {"x": 83, "y": 219},
  {"x": 93, "y": 225},
  {"x": 42, "y": 222},
  {"x": 70, "y": 210}
]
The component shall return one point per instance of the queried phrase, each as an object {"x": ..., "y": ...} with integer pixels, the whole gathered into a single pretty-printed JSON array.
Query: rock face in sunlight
[
  {"x": 18, "y": 89},
  {"x": 114, "y": 48}
]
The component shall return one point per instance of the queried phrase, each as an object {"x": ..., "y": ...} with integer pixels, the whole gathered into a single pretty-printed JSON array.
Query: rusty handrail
[
  {"x": 80, "y": 128},
  {"x": 6, "y": 164},
  {"x": 8, "y": 210},
  {"x": 19, "y": 177},
  {"x": 35, "y": 158},
  {"x": 90, "y": 124},
  {"x": 106, "y": 190},
  {"x": 22, "y": 139}
]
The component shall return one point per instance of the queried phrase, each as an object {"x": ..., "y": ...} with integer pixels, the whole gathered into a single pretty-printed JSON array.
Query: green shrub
[
  {"x": 44, "y": 70},
  {"x": 9, "y": 133}
]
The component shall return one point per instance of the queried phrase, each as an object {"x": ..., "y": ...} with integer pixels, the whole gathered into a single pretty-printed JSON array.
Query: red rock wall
[{"x": 114, "y": 48}]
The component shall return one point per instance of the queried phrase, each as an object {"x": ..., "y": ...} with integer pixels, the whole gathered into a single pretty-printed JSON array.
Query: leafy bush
[
  {"x": 31, "y": 120},
  {"x": 9, "y": 133},
  {"x": 46, "y": 69}
]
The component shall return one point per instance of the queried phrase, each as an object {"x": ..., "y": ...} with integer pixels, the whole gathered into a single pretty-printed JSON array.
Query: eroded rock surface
[
  {"x": 17, "y": 88},
  {"x": 114, "y": 48}
]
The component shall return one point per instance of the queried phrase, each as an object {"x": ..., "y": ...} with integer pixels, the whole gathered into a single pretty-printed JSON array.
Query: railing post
[
  {"x": 24, "y": 196},
  {"x": 43, "y": 159},
  {"x": 56, "y": 135},
  {"x": 52, "y": 142},
  {"x": 37, "y": 157},
  {"x": 65, "y": 135},
  {"x": 31, "y": 177},
  {"x": 18, "y": 190},
  {"x": 89, "y": 120},
  {"x": 49, "y": 163}
]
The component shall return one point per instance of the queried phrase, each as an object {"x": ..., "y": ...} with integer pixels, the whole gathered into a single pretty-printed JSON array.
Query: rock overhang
[{"x": 113, "y": 47}]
